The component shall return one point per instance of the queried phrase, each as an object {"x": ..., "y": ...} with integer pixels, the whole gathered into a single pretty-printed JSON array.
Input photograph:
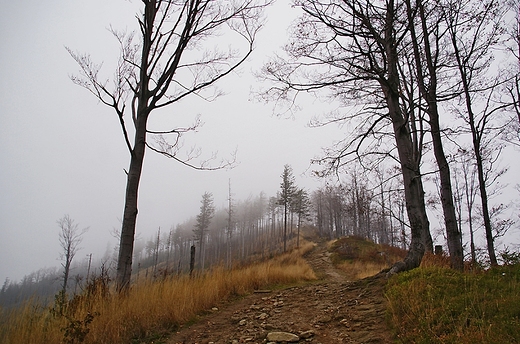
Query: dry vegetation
[
  {"x": 435, "y": 304},
  {"x": 360, "y": 258},
  {"x": 150, "y": 309}
]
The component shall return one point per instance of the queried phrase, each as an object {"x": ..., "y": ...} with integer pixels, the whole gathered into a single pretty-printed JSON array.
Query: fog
[{"x": 62, "y": 152}]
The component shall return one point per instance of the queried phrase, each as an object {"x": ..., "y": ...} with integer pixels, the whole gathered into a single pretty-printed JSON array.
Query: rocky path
[{"x": 330, "y": 310}]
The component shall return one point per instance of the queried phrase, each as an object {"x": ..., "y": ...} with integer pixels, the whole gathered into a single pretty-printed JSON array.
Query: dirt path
[{"x": 331, "y": 310}]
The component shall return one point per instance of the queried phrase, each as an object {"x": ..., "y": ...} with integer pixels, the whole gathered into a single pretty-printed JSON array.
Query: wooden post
[{"x": 192, "y": 259}]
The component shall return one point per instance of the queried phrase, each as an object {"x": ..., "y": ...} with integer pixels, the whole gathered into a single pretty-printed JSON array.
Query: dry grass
[
  {"x": 435, "y": 260},
  {"x": 360, "y": 258},
  {"x": 435, "y": 304},
  {"x": 359, "y": 270},
  {"x": 151, "y": 308}
]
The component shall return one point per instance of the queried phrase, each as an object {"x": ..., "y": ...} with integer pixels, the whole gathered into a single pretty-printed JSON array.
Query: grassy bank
[
  {"x": 434, "y": 304},
  {"x": 151, "y": 309}
]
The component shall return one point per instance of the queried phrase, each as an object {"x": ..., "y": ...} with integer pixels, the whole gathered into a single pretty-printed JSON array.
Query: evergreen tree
[
  {"x": 286, "y": 195},
  {"x": 207, "y": 210}
]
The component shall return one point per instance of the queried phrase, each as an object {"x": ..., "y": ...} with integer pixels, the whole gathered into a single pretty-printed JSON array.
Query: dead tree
[{"x": 70, "y": 237}]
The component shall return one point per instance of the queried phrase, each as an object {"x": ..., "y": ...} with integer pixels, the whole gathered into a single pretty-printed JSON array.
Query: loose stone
[{"x": 279, "y": 337}]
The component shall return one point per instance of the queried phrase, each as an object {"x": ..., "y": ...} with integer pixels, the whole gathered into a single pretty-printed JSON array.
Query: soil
[{"x": 329, "y": 310}]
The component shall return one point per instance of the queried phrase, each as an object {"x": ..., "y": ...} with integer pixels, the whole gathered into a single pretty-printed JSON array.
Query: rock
[
  {"x": 324, "y": 319},
  {"x": 262, "y": 316},
  {"x": 279, "y": 337},
  {"x": 242, "y": 322},
  {"x": 307, "y": 334},
  {"x": 214, "y": 309},
  {"x": 268, "y": 327}
]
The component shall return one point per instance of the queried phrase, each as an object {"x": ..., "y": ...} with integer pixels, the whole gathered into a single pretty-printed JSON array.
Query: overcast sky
[{"x": 62, "y": 152}]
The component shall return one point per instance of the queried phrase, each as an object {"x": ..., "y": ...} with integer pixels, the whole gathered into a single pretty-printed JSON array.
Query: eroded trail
[{"x": 330, "y": 310}]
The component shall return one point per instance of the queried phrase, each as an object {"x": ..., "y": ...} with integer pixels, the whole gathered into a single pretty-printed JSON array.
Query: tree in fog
[
  {"x": 476, "y": 32},
  {"x": 207, "y": 210},
  {"x": 174, "y": 54},
  {"x": 286, "y": 195},
  {"x": 70, "y": 237},
  {"x": 427, "y": 66},
  {"x": 301, "y": 207},
  {"x": 352, "y": 49},
  {"x": 230, "y": 226}
]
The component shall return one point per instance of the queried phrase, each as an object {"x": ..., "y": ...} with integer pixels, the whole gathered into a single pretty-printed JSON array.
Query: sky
[{"x": 62, "y": 152}]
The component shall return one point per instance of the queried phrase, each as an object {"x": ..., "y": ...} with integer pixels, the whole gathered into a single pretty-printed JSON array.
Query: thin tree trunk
[
  {"x": 126, "y": 245},
  {"x": 429, "y": 93},
  {"x": 476, "y": 138}
]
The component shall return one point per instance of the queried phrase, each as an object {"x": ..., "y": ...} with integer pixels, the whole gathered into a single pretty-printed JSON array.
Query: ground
[{"x": 330, "y": 310}]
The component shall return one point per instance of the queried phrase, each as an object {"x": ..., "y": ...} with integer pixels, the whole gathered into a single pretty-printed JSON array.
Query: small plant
[{"x": 77, "y": 330}]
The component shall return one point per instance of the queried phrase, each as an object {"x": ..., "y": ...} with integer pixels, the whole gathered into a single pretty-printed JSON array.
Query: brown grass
[
  {"x": 359, "y": 270},
  {"x": 151, "y": 308},
  {"x": 360, "y": 258}
]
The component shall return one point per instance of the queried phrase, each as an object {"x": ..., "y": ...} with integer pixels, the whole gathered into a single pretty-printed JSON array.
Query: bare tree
[
  {"x": 230, "y": 226},
  {"x": 166, "y": 64},
  {"x": 70, "y": 237},
  {"x": 301, "y": 206},
  {"x": 352, "y": 49},
  {"x": 427, "y": 38},
  {"x": 473, "y": 46},
  {"x": 514, "y": 86}
]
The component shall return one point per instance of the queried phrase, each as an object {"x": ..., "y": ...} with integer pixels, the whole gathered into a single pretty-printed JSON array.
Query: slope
[{"x": 330, "y": 310}]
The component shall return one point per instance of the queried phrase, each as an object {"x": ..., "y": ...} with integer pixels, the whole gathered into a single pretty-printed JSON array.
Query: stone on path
[{"x": 279, "y": 337}]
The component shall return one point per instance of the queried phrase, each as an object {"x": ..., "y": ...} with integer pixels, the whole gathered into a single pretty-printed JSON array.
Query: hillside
[{"x": 332, "y": 309}]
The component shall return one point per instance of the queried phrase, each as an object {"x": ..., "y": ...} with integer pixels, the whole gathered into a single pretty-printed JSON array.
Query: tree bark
[
  {"x": 413, "y": 188},
  {"x": 429, "y": 94},
  {"x": 126, "y": 245}
]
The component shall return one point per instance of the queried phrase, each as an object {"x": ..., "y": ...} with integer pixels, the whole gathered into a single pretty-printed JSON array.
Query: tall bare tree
[
  {"x": 352, "y": 49},
  {"x": 476, "y": 32},
  {"x": 160, "y": 64},
  {"x": 427, "y": 38},
  {"x": 70, "y": 237}
]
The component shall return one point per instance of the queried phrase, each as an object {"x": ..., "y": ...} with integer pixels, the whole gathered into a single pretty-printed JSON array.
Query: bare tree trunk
[
  {"x": 126, "y": 245},
  {"x": 413, "y": 189},
  {"x": 477, "y": 132},
  {"x": 192, "y": 259},
  {"x": 429, "y": 93}
]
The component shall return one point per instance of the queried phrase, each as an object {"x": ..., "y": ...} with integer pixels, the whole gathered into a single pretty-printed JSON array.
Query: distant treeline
[{"x": 250, "y": 229}]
